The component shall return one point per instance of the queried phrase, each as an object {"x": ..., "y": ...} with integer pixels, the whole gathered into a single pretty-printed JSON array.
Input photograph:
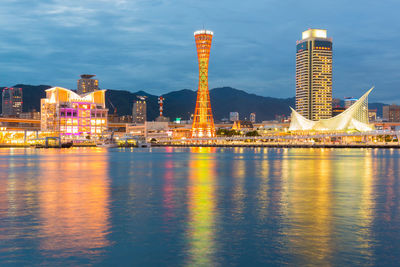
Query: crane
[{"x": 115, "y": 109}]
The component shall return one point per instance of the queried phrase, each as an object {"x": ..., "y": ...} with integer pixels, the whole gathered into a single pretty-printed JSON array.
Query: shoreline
[
  {"x": 283, "y": 145},
  {"x": 387, "y": 146}
]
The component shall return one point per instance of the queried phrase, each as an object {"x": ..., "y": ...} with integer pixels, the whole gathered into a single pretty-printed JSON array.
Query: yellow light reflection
[
  {"x": 202, "y": 205},
  {"x": 320, "y": 186},
  {"x": 309, "y": 205},
  {"x": 74, "y": 201}
]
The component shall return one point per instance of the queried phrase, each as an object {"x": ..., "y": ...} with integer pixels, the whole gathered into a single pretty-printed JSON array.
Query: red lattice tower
[{"x": 203, "y": 122}]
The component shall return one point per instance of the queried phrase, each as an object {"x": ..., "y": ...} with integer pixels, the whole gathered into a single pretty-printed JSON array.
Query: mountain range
[{"x": 182, "y": 103}]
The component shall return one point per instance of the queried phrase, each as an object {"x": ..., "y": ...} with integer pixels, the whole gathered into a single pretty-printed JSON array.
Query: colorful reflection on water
[
  {"x": 58, "y": 201},
  {"x": 200, "y": 206}
]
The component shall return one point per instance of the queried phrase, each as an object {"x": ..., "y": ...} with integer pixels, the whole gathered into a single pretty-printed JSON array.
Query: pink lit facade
[{"x": 67, "y": 113}]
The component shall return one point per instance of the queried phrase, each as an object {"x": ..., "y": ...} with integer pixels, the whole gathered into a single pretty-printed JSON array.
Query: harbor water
[{"x": 200, "y": 206}]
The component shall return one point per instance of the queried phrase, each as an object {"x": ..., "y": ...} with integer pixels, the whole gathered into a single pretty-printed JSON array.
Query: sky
[{"x": 149, "y": 44}]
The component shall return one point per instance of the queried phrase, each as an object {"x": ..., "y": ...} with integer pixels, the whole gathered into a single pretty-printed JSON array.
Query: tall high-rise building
[
  {"x": 11, "y": 101},
  {"x": 139, "y": 111},
  {"x": 203, "y": 121},
  {"x": 314, "y": 75},
  {"x": 86, "y": 84}
]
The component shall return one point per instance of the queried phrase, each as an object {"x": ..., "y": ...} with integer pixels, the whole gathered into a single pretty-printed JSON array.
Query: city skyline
[{"x": 142, "y": 43}]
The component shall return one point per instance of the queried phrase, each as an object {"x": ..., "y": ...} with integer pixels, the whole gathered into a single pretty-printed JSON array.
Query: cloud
[{"x": 149, "y": 45}]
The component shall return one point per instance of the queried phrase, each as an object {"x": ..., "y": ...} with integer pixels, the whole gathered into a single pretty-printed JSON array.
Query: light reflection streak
[
  {"x": 239, "y": 176},
  {"x": 168, "y": 191},
  {"x": 74, "y": 205},
  {"x": 263, "y": 188},
  {"x": 202, "y": 207},
  {"x": 317, "y": 191},
  {"x": 307, "y": 183}
]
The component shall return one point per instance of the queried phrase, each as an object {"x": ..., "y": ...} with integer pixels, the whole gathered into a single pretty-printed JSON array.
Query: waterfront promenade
[
  {"x": 283, "y": 145},
  {"x": 372, "y": 139}
]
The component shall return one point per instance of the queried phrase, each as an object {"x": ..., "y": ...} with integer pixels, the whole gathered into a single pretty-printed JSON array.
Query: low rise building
[
  {"x": 391, "y": 113},
  {"x": 150, "y": 130},
  {"x": 372, "y": 115},
  {"x": 349, "y": 101},
  {"x": 337, "y": 110},
  {"x": 243, "y": 125},
  {"x": 31, "y": 115}
]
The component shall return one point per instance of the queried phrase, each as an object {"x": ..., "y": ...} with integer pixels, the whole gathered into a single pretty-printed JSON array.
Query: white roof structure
[
  {"x": 203, "y": 32},
  {"x": 353, "y": 118}
]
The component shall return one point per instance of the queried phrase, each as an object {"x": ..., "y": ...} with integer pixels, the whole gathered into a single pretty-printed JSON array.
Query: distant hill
[
  {"x": 182, "y": 103},
  {"x": 223, "y": 100}
]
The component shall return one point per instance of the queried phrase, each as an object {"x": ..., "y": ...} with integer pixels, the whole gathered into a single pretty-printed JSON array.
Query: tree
[{"x": 252, "y": 133}]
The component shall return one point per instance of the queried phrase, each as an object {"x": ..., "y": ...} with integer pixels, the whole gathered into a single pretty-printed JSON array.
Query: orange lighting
[{"x": 203, "y": 121}]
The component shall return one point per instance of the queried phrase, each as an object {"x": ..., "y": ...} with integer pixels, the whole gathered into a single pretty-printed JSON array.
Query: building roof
[
  {"x": 203, "y": 32},
  {"x": 69, "y": 95},
  {"x": 353, "y": 118},
  {"x": 87, "y": 76}
]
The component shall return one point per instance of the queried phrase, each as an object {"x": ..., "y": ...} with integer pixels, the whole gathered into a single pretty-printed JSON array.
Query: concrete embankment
[{"x": 277, "y": 145}]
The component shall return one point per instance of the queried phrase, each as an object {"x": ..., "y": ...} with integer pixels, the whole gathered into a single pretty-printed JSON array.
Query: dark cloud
[{"x": 149, "y": 45}]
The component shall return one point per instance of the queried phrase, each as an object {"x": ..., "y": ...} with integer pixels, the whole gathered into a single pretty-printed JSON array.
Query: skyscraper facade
[
  {"x": 253, "y": 117},
  {"x": 11, "y": 102},
  {"x": 86, "y": 84},
  {"x": 139, "y": 111},
  {"x": 391, "y": 113},
  {"x": 314, "y": 75},
  {"x": 233, "y": 116},
  {"x": 203, "y": 121}
]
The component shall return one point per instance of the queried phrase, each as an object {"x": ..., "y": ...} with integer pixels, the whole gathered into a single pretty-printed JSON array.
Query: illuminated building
[
  {"x": 372, "y": 115},
  {"x": 253, "y": 117},
  {"x": 233, "y": 116},
  {"x": 336, "y": 102},
  {"x": 280, "y": 118},
  {"x": 203, "y": 122},
  {"x": 314, "y": 75},
  {"x": 150, "y": 129},
  {"x": 242, "y": 125},
  {"x": 353, "y": 118},
  {"x": 86, "y": 84},
  {"x": 391, "y": 113},
  {"x": 67, "y": 113},
  {"x": 139, "y": 112},
  {"x": 11, "y": 102},
  {"x": 337, "y": 110}
]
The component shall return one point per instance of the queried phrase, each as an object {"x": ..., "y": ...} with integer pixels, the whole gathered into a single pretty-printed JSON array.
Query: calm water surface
[{"x": 199, "y": 207}]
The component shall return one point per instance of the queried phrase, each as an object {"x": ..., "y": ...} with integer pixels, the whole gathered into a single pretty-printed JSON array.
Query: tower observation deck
[{"x": 203, "y": 121}]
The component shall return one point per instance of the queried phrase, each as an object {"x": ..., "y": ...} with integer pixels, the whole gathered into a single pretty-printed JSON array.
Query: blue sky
[{"x": 149, "y": 45}]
